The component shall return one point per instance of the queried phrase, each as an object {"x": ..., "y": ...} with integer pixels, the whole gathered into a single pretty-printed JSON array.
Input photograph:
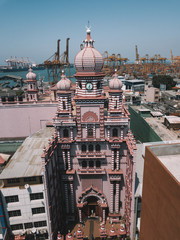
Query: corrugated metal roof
[{"x": 26, "y": 161}]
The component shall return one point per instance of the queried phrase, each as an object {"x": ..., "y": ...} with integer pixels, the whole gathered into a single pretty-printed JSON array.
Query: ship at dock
[{"x": 19, "y": 64}]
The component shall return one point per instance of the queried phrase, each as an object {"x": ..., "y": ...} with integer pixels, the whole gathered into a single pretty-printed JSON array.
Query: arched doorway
[
  {"x": 92, "y": 209},
  {"x": 92, "y": 203}
]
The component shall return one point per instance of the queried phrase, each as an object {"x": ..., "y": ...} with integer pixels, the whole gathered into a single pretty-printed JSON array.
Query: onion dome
[
  {"x": 88, "y": 59},
  {"x": 64, "y": 83},
  {"x": 31, "y": 75},
  {"x": 115, "y": 83}
]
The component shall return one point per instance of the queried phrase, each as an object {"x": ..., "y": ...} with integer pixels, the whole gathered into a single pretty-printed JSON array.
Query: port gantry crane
[{"x": 56, "y": 63}]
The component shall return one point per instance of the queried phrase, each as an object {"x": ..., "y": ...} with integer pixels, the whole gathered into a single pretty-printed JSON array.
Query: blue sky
[{"x": 31, "y": 28}]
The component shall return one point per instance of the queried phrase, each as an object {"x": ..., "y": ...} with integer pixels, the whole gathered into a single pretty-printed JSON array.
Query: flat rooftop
[
  {"x": 26, "y": 161},
  {"x": 169, "y": 155}
]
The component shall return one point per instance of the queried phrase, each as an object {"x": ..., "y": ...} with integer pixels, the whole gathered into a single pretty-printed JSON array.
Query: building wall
[
  {"x": 141, "y": 129},
  {"x": 25, "y": 205},
  {"x": 151, "y": 94},
  {"x": 24, "y": 120},
  {"x": 160, "y": 212}
]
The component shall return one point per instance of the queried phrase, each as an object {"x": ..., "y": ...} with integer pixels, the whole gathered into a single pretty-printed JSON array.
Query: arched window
[
  {"x": 98, "y": 148},
  {"x": 115, "y": 132},
  {"x": 83, "y": 148},
  {"x": 91, "y": 164},
  {"x": 90, "y": 148},
  {"x": 84, "y": 164},
  {"x": 65, "y": 133},
  {"x": 98, "y": 164},
  {"x": 90, "y": 132}
]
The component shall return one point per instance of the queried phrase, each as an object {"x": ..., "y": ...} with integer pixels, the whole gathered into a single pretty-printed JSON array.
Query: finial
[{"x": 88, "y": 28}]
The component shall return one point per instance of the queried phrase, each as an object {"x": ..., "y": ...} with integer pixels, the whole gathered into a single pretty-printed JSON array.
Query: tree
[{"x": 163, "y": 79}]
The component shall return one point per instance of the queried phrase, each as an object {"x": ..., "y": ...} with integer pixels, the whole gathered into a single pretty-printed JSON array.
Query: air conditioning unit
[{"x": 26, "y": 186}]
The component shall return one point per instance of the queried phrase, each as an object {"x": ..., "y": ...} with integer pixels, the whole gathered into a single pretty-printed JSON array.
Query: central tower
[{"x": 89, "y": 95}]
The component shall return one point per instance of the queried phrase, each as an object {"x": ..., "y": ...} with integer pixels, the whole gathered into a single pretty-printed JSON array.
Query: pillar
[
  {"x": 58, "y": 133},
  {"x": 69, "y": 160},
  {"x": 112, "y": 161},
  {"x": 66, "y": 197},
  {"x": 104, "y": 215},
  {"x": 64, "y": 159},
  {"x": 111, "y": 197},
  {"x": 117, "y": 197},
  {"x": 80, "y": 215},
  {"x": 108, "y": 133},
  {"x": 117, "y": 160},
  {"x": 71, "y": 132},
  {"x": 122, "y": 132},
  {"x": 94, "y": 131},
  {"x": 72, "y": 197}
]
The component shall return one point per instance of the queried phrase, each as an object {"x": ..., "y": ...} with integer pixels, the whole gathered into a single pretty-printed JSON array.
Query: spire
[{"x": 88, "y": 42}]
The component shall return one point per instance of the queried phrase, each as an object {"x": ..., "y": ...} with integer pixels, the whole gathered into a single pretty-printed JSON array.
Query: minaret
[{"x": 32, "y": 88}]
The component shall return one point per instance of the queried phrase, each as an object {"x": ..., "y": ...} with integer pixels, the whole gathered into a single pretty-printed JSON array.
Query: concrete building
[
  {"x": 91, "y": 158},
  {"x": 160, "y": 213},
  {"x": 152, "y": 94},
  {"x": 22, "y": 188}
]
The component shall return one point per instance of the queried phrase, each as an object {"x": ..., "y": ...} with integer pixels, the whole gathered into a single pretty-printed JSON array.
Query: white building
[{"x": 22, "y": 187}]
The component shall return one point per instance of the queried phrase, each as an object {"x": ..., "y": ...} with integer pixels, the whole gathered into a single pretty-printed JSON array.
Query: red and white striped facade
[{"x": 90, "y": 160}]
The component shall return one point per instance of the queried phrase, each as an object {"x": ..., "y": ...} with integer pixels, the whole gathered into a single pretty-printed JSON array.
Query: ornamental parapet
[{"x": 89, "y": 171}]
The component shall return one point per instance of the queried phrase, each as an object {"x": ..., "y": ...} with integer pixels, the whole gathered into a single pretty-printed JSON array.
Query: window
[
  {"x": 64, "y": 105},
  {"x": 91, "y": 148},
  {"x": 65, "y": 133},
  {"x": 28, "y": 225},
  {"x": 84, "y": 164},
  {"x": 98, "y": 148},
  {"x": 14, "y": 213},
  {"x": 80, "y": 85},
  {"x": 35, "y": 196},
  {"x": 98, "y": 164},
  {"x": 13, "y": 180},
  {"x": 115, "y": 132},
  {"x": 13, "y": 198},
  {"x": 30, "y": 179},
  {"x": 16, "y": 227},
  {"x": 98, "y": 85},
  {"x": 40, "y": 224},
  {"x": 83, "y": 148},
  {"x": 38, "y": 210},
  {"x": 90, "y": 132},
  {"x": 91, "y": 164}
]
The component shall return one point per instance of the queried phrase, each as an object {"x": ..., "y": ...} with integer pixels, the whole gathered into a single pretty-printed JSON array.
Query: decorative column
[
  {"x": 80, "y": 215},
  {"x": 86, "y": 131},
  {"x": 94, "y": 131},
  {"x": 122, "y": 132},
  {"x": 69, "y": 160},
  {"x": 117, "y": 159},
  {"x": 112, "y": 161},
  {"x": 58, "y": 134},
  {"x": 71, "y": 132},
  {"x": 108, "y": 133},
  {"x": 117, "y": 197},
  {"x": 64, "y": 159},
  {"x": 66, "y": 197},
  {"x": 72, "y": 197},
  {"x": 111, "y": 197},
  {"x": 104, "y": 215}
]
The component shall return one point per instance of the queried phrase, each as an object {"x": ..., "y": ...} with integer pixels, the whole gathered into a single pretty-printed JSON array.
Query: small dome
[
  {"x": 31, "y": 75},
  {"x": 64, "y": 83},
  {"x": 115, "y": 83},
  {"x": 88, "y": 59}
]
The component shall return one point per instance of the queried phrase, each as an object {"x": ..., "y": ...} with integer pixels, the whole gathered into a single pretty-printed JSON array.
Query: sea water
[{"x": 41, "y": 74}]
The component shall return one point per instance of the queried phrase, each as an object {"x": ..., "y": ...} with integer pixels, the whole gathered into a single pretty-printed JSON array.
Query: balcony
[
  {"x": 89, "y": 171},
  {"x": 83, "y": 155}
]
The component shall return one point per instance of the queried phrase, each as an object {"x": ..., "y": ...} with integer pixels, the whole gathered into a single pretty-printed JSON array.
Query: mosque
[{"x": 89, "y": 164}]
